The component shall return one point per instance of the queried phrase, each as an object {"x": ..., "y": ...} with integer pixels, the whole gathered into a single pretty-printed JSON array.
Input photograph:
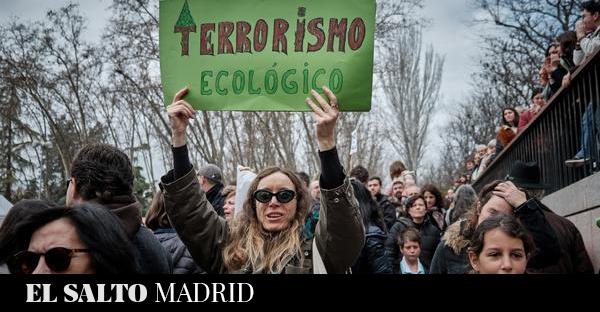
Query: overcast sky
[
  {"x": 451, "y": 36},
  {"x": 449, "y": 33}
]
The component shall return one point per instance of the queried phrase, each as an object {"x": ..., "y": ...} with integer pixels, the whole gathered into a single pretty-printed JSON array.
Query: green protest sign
[{"x": 267, "y": 54}]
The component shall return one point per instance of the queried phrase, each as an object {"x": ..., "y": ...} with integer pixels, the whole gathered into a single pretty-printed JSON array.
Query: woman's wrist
[
  {"x": 178, "y": 139},
  {"x": 326, "y": 145}
]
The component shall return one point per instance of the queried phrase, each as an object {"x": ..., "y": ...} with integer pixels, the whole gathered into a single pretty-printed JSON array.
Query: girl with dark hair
[
  {"x": 435, "y": 204},
  {"x": 465, "y": 199},
  {"x": 508, "y": 129},
  {"x": 500, "y": 245},
  {"x": 373, "y": 258},
  {"x": 86, "y": 239},
  {"x": 396, "y": 169},
  {"x": 498, "y": 197}
]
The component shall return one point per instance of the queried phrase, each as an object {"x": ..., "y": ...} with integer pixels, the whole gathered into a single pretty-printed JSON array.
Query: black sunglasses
[
  {"x": 283, "y": 196},
  {"x": 58, "y": 259}
]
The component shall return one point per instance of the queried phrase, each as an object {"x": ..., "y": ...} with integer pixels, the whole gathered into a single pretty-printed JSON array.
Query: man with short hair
[
  {"x": 388, "y": 209},
  {"x": 211, "y": 181},
  {"x": 588, "y": 31},
  {"x": 397, "y": 188},
  {"x": 395, "y": 197},
  {"x": 103, "y": 174},
  {"x": 374, "y": 186}
]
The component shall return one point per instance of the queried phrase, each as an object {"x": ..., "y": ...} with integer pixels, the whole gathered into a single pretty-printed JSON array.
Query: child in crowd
[
  {"x": 500, "y": 245},
  {"x": 410, "y": 247}
]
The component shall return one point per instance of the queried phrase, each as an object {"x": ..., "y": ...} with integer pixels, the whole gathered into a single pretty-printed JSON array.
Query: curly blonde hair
[{"x": 250, "y": 248}]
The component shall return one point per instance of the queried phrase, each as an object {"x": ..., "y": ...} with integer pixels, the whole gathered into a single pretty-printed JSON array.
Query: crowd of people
[
  {"x": 563, "y": 57},
  {"x": 289, "y": 224}
]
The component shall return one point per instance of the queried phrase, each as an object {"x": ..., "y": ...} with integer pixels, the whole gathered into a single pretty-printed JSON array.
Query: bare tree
[
  {"x": 515, "y": 51},
  {"x": 517, "y": 34},
  {"x": 54, "y": 75},
  {"x": 473, "y": 121},
  {"x": 71, "y": 92},
  {"x": 410, "y": 81},
  {"x": 396, "y": 14}
]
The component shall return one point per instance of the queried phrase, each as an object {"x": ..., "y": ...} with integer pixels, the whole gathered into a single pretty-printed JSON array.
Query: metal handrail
[{"x": 554, "y": 135}]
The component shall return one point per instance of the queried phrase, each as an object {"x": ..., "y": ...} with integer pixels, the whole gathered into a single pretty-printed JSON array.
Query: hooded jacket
[{"x": 150, "y": 255}]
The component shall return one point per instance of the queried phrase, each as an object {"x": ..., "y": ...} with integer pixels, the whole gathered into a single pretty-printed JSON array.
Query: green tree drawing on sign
[{"x": 185, "y": 24}]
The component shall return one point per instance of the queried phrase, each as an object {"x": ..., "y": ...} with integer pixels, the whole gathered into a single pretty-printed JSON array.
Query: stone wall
[{"x": 580, "y": 203}]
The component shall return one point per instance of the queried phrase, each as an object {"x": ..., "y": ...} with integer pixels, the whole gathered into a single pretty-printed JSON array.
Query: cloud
[{"x": 451, "y": 34}]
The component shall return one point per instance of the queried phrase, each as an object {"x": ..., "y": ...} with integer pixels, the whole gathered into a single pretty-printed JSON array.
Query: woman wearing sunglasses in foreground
[
  {"x": 87, "y": 239},
  {"x": 8, "y": 237},
  {"x": 266, "y": 236}
]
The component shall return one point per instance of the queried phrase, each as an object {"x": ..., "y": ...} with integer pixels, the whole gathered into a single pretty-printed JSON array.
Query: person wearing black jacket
[
  {"x": 420, "y": 219},
  {"x": 373, "y": 258},
  {"x": 388, "y": 209},
  {"x": 566, "y": 253}
]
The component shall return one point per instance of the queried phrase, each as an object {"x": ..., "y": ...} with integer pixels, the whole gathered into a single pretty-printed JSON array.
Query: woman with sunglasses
[
  {"x": 86, "y": 239},
  {"x": 267, "y": 236},
  {"x": 8, "y": 238}
]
